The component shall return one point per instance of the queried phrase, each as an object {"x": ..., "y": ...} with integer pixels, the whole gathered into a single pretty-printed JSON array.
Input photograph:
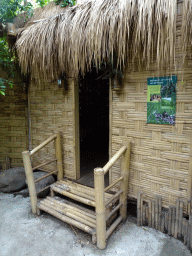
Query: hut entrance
[{"x": 94, "y": 125}]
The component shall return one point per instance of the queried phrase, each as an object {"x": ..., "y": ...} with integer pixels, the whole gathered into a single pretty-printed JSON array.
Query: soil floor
[{"x": 22, "y": 234}]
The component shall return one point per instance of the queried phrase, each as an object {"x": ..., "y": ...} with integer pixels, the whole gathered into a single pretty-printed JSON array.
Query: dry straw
[{"x": 91, "y": 33}]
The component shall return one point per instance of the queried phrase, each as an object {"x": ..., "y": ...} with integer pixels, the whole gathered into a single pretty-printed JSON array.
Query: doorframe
[
  {"x": 76, "y": 136},
  {"x": 76, "y": 139}
]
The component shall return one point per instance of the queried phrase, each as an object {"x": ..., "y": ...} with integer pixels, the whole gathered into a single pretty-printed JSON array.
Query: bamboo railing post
[
  {"x": 124, "y": 183},
  {"x": 30, "y": 180},
  {"x": 100, "y": 208},
  {"x": 58, "y": 153}
]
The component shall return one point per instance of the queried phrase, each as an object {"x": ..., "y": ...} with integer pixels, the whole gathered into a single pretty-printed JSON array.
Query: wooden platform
[{"x": 70, "y": 212}]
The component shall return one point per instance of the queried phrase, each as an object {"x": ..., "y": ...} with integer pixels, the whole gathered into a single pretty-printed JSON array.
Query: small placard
[{"x": 161, "y": 100}]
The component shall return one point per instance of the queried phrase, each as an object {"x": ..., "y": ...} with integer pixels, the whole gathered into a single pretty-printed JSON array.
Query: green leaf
[{"x": 3, "y": 93}]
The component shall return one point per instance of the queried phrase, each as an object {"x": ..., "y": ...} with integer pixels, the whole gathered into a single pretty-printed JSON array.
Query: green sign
[{"x": 161, "y": 100}]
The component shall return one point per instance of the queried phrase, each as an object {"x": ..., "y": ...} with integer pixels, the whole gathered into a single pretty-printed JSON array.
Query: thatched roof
[{"x": 91, "y": 33}]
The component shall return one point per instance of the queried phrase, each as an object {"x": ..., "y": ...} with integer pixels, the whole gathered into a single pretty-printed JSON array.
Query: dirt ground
[{"x": 23, "y": 234}]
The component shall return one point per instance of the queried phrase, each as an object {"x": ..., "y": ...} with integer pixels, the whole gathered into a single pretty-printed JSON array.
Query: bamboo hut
[
  {"x": 89, "y": 67},
  {"x": 139, "y": 40}
]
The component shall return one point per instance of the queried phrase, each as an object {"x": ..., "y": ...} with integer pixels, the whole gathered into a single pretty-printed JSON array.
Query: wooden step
[
  {"x": 70, "y": 213},
  {"x": 77, "y": 192}
]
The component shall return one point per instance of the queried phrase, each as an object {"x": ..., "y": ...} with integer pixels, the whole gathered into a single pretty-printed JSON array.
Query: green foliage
[
  {"x": 8, "y": 10},
  {"x": 64, "y": 3}
]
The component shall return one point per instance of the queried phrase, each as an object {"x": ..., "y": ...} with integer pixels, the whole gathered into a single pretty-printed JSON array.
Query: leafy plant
[{"x": 64, "y": 3}]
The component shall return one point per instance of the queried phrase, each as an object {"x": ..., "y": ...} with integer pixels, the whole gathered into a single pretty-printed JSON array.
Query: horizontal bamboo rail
[
  {"x": 113, "y": 211},
  {"x": 113, "y": 184},
  {"x": 38, "y": 192},
  {"x": 43, "y": 144},
  {"x": 73, "y": 196},
  {"x": 45, "y": 176},
  {"x": 41, "y": 165},
  {"x": 113, "y": 226},
  {"x": 114, "y": 197},
  {"x": 114, "y": 159}
]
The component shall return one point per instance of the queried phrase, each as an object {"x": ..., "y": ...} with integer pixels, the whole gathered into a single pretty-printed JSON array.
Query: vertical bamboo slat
[
  {"x": 180, "y": 218},
  {"x": 150, "y": 212},
  {"x": 100, "y": 208},
  {"x": 58, "y": 153},
  {"x": 177, "y": 219},
  {"x": 30, "y": 180},
  {"x": 125, "y": 161},
  {"x": 139, "y": 209}
]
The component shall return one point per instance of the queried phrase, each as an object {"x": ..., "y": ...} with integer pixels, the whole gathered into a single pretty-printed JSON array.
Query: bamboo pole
[
  {"x": 80, "y": 217},
  {"x": 162, "y": 224},
  {"x": 100, "y": 208},
  {"x": 190, "y": 231},
  {"x": 177, "y": 219},
  {"x": 58, "y": 152},
  {"x": 180, "y": 218},
  {"x": 43, "y": 144},
  {"x": 125, "y": 161},
  {"x": 153, "y": 215},
  {"x": 169, "y": 222},
  {"x": 160, "y": 213},
  {"x": 73, "y": 196},
  {"x": 41, "y": 165},
  {"x": 156, "y": 212},
  {"x": 113, "y": 184},
  {"x": 173, "y": 220},
  {"x": 113, "y": 226},
  {"x": 150, "y": 212},
  {"x": 113, "y": 197},
  {"x": 166, "y": 221},
  {"x": 30, "y": 180},
  {"x": 139, "y": 209},
  {"x": 113, "y": 211},
  {"x": 63, "y": 202},
  {"x": 144, "y": 215},
  {"x": 114, "y": 159},
  {"x": 47, "y": 175},
  {"x": 67, "y": 219},
  {"x": 81, "y": 213},
  {"x": 74, "y": 191}
]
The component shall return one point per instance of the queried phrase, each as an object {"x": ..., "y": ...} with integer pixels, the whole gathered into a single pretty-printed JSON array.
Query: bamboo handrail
[
  {"x": 113, "y": 211},
  {"x": 41, "y": 165},
  {"x": 113, "y": 184},
  {"x": 43, "y": 144},
  {"x": 114, "y": 159},
  {"x": 38, "y": 192},
  {"x": 113, "y": 197},
  {"x": 45, "y": 176}
]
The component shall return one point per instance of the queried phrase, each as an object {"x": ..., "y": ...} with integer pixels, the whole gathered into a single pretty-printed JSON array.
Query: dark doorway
[{"x": 94, "y": 124}]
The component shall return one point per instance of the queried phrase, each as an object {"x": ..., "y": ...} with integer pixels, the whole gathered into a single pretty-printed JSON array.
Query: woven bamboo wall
[
  {"x": 161, "y": 154},
  {"x": 13, "y": 123},
  {"x": 51, "y": 110}
]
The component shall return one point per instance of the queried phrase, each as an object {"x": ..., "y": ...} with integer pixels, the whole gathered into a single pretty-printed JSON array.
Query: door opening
[{"x": 94, "y": 124}]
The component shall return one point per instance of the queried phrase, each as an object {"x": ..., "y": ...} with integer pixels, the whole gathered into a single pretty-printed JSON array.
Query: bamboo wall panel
[
  {"x": 161, "y": 155},
  {"x": 13, "y": 123},
  {"x": 51, "y": 110}
]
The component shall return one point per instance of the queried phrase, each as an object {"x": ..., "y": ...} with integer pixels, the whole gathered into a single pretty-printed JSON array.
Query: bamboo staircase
[{"x": 89, "y": 209}]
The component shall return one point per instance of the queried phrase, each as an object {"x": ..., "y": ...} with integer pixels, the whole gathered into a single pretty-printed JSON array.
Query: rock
[
  {"x": 12, "y": 180},
  {"x": 42, "y": 183}
]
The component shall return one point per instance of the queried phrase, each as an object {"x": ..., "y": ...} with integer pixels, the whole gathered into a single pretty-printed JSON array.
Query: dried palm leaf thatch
[
  {"x": 186, "y": 27},
  {"x": 91, "y": 33}
]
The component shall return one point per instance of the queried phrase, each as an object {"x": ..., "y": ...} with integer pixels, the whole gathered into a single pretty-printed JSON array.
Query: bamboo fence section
[
  {"x": 101, "y": 205},
  {"x": 172, "y": 221},
  {"x": 29, "y": 170}
]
